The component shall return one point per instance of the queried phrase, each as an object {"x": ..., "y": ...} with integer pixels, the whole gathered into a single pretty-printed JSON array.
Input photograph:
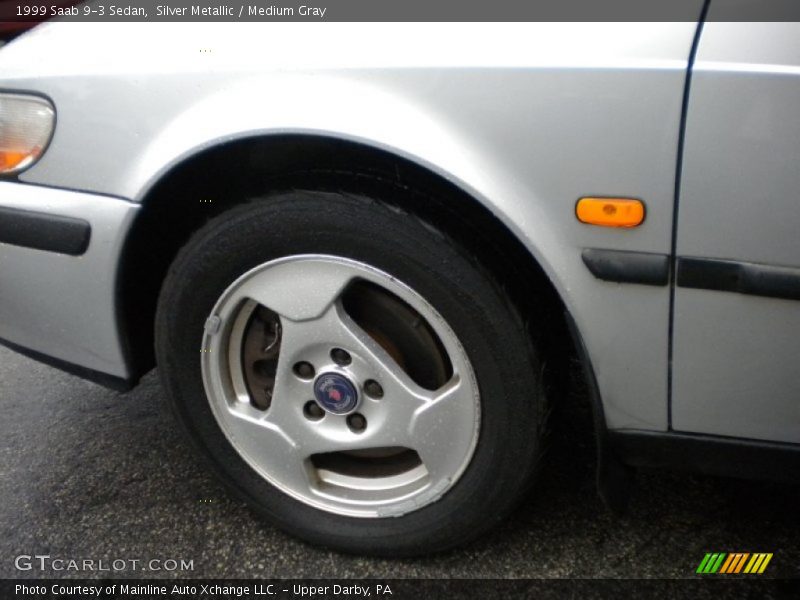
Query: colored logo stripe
[
  {"x": 735, "y": 562},
  {"x": 711, "y": 562},
  {"x": 728, "y": 562},
  {"x": 758, "y": 563},
  {"x": 721, "y": 562}
]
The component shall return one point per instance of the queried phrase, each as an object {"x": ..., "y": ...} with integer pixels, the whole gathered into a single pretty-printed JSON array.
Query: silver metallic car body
[
  {"x": 735, "y": 356},
  {"x": 526, "y": 118}
]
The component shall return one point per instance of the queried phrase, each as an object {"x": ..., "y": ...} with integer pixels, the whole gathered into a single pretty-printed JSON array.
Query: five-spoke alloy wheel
[
  {"x": 355, "y": 374},
  {"x": 351, "y": 426}
]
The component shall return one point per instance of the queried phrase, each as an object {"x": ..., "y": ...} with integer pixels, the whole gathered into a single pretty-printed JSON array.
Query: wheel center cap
[{"x": 335, "y": 393}]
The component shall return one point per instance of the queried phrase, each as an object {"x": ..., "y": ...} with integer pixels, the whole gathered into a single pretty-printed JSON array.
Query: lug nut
[
  {"x": 341, "y": 357},
  {"x": 373, "y": 389},
  {"x": 357, "y": 422},
  {"x": 313, "y": 411},
  {"x": 304, "y": 370}
]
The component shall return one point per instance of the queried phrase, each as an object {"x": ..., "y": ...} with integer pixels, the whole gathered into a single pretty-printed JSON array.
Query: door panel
[{"x": 736, "y": 358}]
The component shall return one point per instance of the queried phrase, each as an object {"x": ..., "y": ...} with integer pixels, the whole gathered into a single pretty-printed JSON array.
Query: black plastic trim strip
[
  {"x": 110, "y": 381},
  {"x": 741, "y": 277},
  {"x": 43, "y": 231},
  {"x": 714, "y": 455},
  {"x": 627, "y": 267}
]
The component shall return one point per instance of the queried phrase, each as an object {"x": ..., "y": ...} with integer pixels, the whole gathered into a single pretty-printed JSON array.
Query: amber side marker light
[
  {"x": 26, "y": 124},
  {"x": 610, "y": 212}
]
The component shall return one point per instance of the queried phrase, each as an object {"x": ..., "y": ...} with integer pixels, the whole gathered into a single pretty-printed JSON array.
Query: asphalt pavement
[{"x": 88, "y": 473}]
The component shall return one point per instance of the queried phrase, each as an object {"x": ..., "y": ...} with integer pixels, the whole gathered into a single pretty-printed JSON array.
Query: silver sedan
[{"x": 363, "y": 265}]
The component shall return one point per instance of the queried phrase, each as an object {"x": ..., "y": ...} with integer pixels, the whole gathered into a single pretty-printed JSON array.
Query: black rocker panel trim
[
  {"x": 715, "y": 455},
  {"x": 43, "y": 231}
]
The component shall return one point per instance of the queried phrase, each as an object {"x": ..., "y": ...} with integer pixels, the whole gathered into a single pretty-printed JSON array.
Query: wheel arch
[
  {"x": 206, "y": 182},
  {"x": 191, "y": 192}
]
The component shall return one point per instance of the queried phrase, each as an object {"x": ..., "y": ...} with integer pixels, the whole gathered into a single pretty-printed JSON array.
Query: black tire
[{"x": 448, "y": 276}]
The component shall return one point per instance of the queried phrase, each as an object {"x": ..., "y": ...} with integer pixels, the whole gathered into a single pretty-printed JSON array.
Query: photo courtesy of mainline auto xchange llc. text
[{"x": 209, "y": 590}]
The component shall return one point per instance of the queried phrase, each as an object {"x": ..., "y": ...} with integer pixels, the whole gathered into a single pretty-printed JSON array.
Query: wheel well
[{"x": 216, "y": 179}]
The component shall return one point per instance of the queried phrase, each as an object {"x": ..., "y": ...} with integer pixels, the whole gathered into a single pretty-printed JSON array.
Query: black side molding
[
  {"x": 43, "y": 231},
  {"x": 714, "y": 455},
  {"x": 698, "y": 273},
  {"x": 744, "y": 278},
  {"x": 627, "y": 267}
]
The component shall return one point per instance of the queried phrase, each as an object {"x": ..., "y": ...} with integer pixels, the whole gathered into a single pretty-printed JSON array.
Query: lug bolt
[
  {"x": 304, "y": 370},
  {"x": 313, "y": 411},
  {"x": 341, "y": 357},
  {"x": 373, "y": 389},
  {"x": 357, "y": 422}
]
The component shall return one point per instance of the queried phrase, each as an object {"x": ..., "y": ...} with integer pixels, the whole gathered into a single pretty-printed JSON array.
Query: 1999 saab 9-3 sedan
[{"x": 359, "y": 254}]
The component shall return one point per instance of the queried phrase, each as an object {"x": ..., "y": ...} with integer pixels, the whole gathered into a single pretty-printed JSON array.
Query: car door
[{"x": 736, "y": 310}]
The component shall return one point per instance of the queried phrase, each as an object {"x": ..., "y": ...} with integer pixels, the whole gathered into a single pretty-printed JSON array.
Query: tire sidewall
[{"x": 448, "y": 277}]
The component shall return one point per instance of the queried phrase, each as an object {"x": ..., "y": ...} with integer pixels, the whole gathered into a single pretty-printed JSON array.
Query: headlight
[{"x": 26, "y": 124}]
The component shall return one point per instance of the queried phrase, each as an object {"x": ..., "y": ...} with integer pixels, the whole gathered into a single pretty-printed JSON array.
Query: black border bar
[
  {"x": 401, "y": 589},
  {"x": 108, "y": 11},
  {"x": 42, "y": 231}
]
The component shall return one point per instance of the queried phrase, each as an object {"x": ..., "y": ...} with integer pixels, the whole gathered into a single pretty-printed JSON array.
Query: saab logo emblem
[
  {"x": 734, "y": 562},
  {"x": 335, "y": 393}
]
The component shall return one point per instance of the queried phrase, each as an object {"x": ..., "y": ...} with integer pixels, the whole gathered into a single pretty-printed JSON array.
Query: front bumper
[{"x": 57, "y": 297}]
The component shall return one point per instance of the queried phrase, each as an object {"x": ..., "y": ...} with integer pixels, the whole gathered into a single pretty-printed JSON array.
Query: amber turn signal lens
[{"x": 610, "y": 212}]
